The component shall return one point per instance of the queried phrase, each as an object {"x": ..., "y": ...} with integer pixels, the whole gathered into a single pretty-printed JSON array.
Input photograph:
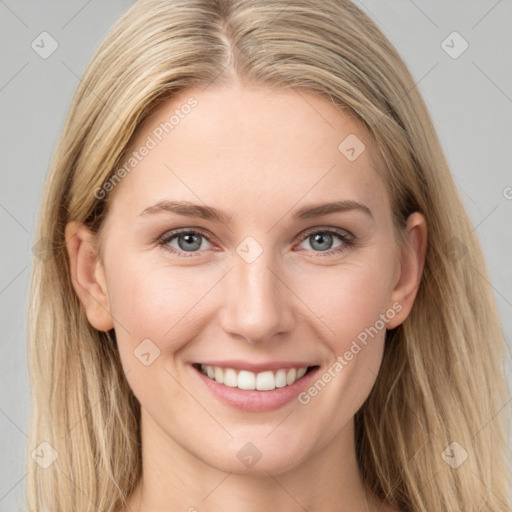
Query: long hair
[{"x": 430, "y": 436}]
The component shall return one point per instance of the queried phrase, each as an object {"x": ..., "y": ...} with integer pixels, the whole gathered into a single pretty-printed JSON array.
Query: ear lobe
[
  {"x": 87, "y": 275},
  {"x": 412, "y": 262}
]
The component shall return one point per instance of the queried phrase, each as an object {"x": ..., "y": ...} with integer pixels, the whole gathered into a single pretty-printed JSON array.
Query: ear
[
  {"x": 87, "y": 275},
  {"x": 412, "y": 262}
]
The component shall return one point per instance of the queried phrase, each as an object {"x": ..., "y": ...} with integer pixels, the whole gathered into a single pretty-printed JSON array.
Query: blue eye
[
  {"x": 187, "y": 243},
  {"x": 321, "y": 241}
]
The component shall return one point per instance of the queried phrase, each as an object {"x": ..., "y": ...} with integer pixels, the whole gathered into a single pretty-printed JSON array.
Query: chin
[{"x": 258, "y": 457}]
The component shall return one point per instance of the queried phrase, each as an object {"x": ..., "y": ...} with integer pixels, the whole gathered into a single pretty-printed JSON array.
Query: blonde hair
[{"x": 442, "y": 377}]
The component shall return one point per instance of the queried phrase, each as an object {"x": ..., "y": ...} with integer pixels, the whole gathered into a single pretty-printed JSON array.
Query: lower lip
[{"x": 256, "y": 401}]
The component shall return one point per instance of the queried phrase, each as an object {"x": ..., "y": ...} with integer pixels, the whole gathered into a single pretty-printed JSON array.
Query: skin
[{"x": 259, "y": 155}]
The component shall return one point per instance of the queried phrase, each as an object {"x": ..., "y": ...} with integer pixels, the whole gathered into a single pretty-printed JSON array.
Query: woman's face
[{"x": 219, "y": 250}]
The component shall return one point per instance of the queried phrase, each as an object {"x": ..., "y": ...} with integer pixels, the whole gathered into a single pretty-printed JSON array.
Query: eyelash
[{"x": 348, "y": 240}]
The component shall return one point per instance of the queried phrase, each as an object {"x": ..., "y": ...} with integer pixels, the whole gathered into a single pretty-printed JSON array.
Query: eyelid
[
  {"x": 347, "y": 237},
  {"x": 348, "y": 240},
  {"x": 327, "y": 229},
  {"x": 170, "y": 235},
  {"x": 174, "y": 232}
]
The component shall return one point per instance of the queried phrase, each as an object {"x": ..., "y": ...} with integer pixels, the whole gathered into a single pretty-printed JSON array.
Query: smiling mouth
[{"x": 246, "y": 380}]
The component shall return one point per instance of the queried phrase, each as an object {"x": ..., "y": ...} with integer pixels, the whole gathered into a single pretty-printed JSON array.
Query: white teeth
[
  {"x": 230, "y": 378},
  {"x": 301, "y": 372},
  {"x": 263, "y": 381},
  {"x": 246, "y": 380},
  {"x": 280, "y": 378},
  {"x": 219, "y": 375},
  {"x": 291, "y": 376}
]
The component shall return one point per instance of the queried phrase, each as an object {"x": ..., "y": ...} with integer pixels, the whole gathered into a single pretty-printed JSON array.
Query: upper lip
[{"x": 257, "y": 367}]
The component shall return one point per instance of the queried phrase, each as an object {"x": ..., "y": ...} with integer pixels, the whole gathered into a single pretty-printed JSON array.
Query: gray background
[{"x": 469, "y": 97}]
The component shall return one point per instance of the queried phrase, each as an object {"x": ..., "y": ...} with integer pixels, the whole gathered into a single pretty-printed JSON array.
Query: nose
[{"x": 257, "y": 302}]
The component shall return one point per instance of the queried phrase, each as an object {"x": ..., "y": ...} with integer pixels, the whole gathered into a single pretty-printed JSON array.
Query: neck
[{"x": 174, "y": 479}]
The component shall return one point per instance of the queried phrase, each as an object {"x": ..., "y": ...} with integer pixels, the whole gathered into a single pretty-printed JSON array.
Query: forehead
[{"x": 249, "y": 145}]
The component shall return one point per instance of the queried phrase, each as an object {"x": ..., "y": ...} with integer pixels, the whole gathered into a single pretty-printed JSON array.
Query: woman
[{"x": 265, "y": 291}]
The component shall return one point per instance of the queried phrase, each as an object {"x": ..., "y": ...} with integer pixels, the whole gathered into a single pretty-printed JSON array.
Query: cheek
[
  {"x": 157, "y": 302},
  {"x": 174, "y": 306},
  {"x": 351, "y": 303},
  {"x": 156, "y": 311},
  {"x": 168, "y": 304},
  {"x": 346, "y": 299}
]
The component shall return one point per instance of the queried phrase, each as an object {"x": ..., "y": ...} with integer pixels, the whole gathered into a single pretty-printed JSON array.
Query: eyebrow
[{"x": 209, "y": 213}]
